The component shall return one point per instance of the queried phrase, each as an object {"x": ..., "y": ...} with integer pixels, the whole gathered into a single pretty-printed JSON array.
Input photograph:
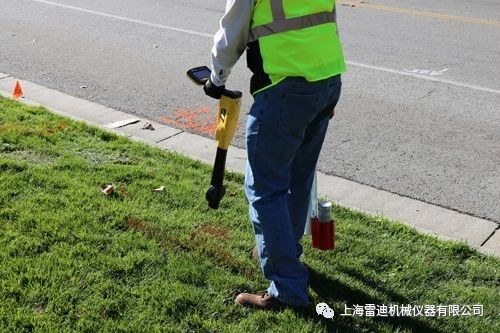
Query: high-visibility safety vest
[{"x": 296, "y": 38}]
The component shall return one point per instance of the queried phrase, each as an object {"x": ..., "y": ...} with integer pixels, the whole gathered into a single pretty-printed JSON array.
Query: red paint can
[{"x": 323, "y": 227}]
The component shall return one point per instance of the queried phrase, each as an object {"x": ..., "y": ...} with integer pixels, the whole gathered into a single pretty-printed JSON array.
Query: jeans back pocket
[{"x": 297, "y": 112}]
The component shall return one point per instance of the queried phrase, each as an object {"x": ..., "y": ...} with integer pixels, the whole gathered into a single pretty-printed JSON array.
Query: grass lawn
[{"x": 75, "y": 259}]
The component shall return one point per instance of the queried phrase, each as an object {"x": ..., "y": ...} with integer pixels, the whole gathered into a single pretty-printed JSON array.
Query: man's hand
[{"x": 212, "y": 90}]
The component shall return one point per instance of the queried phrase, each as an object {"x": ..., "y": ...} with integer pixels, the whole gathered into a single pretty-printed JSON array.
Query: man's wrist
[
  {"x": 216, "y": 80},
  {"x": 212, "y": 90}
]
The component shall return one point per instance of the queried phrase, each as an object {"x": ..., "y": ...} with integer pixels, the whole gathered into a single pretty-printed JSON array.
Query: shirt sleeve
[{"x": 231, "y": 39}]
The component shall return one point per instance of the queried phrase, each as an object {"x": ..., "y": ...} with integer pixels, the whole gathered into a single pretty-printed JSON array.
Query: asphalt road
[{"x": 420, "y": 108}]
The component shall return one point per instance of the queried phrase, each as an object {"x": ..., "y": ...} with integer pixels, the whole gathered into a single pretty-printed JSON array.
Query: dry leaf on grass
[
  {"x": 159, "y": 189},
  {"x": 109, "y": 189},
  {"x": 123, "y": 191}
]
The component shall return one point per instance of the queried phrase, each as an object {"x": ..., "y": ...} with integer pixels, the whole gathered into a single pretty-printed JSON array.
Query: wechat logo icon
[{"x": 322, "y": 309}]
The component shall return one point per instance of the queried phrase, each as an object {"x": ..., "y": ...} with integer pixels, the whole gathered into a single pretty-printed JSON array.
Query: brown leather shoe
[{"x": 262, "y": 301}]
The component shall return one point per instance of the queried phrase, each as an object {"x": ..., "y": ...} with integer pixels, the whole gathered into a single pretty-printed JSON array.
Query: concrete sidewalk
[{"x": 444, "y": 223}]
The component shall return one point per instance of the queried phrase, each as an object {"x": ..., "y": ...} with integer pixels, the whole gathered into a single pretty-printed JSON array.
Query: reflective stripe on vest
[{"x": 282, "y": 24}]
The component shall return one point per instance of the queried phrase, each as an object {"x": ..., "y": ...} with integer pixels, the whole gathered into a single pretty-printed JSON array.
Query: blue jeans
[{"x": 286, "y": 128}]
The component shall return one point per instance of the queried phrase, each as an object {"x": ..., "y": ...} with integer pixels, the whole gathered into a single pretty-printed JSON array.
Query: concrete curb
[{"x": 481, "y": 234}]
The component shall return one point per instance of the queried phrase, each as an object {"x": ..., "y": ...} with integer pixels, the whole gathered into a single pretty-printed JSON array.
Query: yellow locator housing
[{"x": 227, "y": 118}]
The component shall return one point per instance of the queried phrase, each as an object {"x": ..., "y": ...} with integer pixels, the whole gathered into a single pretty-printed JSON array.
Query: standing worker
[{"x": 295, "y": 54}]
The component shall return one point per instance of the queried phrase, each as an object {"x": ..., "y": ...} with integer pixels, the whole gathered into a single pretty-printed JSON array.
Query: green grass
[{"x": 74, "y": 259}]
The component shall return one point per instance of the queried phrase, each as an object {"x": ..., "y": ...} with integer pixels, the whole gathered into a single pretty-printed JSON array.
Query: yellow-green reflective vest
[{"x": 297, "y": 38}]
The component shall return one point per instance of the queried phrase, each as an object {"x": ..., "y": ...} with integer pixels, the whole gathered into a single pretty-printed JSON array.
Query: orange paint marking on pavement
[
  {"x": 195, "y": 120},
  {"x": 18, "y": 91},
  {"x": 463, "y": 19}
]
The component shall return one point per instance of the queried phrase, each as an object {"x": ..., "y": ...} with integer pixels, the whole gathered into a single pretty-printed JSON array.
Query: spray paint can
[{"x": 323, "y": 227}]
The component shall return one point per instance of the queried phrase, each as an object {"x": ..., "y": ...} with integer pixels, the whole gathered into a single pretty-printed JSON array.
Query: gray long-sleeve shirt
[{"x": 231, "y": 39}]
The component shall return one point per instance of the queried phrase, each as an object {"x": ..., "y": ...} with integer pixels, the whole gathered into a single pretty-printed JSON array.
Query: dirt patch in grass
[
  {"x": 211, "y": 230},
  {"x": 159, "y": 235},
  {"x": 9, "y": 128},
  {"x": 59, "y": 127},
  {"x": 17, "y": 128},
  {"x": 204, "y": 240}
]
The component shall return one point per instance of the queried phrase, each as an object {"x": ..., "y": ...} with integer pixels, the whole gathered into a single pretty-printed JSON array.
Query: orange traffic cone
[{"x": 18, "y": 91}]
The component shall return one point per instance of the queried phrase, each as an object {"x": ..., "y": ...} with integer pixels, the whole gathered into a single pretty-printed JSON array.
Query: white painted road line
[
  {"x": 203, "y": 34},
  {"x": 425, "y": 77},
  {"x": 122, "y": 18}
]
